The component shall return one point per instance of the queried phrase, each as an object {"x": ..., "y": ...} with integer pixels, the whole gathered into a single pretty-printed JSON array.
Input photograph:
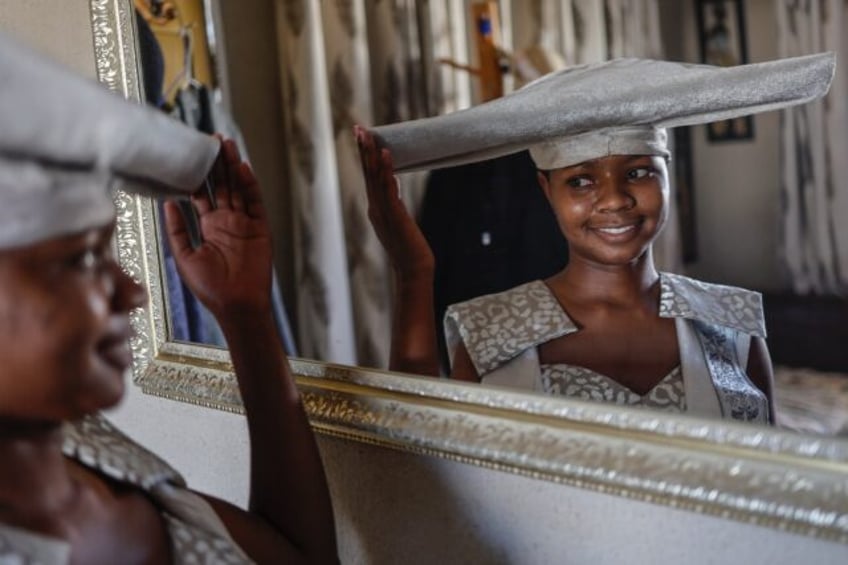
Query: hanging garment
[{"x": 490, "y": 228}]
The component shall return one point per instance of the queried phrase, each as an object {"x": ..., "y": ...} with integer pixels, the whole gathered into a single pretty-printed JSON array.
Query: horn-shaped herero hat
[
  {"x": 66, "y": 142},
  {"x": 616, "y": 107}
]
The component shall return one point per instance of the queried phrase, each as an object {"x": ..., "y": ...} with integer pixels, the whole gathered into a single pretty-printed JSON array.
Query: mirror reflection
[{"x": 297, "y": 76}]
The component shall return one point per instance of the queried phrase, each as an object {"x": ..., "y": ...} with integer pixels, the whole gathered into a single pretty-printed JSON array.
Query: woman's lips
[
  {"x": 617, "y": 233},
  {"x": 117, "y": 354},
  {"x": 617, "y": 230},
  {"x": 115, "y": 347}
]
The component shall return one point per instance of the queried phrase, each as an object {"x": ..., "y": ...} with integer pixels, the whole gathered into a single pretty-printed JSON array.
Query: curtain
[
  {"x": 814, "y": 173},
  {"x": 324, "y": 312},
  {"x": 348, "y": 66},
  {"x": 345, "y": 62}
]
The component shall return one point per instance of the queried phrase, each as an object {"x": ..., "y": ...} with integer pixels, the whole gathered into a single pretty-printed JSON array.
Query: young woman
[
  {"x": 596, "y": 330},
  {"x": 73, "y": 489},
  {"x": 609, "y": 326}
]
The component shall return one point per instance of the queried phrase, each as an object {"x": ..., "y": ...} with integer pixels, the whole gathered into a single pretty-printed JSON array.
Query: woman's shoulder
[
  {"x": 496, "y": 328},
  {"x": 717, "y": 304}
]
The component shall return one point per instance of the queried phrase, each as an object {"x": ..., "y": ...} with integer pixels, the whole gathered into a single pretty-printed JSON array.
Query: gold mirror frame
[{"x": 776, "y": 479}]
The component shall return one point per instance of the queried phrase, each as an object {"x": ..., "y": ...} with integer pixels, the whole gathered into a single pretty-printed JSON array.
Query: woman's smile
[{"x": 617, "y": 232}]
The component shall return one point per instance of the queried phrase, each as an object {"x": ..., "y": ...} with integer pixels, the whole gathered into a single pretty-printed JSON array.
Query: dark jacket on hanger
[{"x": 490, "y": 228}]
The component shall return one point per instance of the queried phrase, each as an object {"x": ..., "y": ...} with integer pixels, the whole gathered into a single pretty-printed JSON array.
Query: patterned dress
[
  {"x": 714, "y": 323},
  {"x": 197, "y": 534}
]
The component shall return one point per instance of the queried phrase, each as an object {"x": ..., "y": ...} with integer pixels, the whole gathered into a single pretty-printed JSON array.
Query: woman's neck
[
  {"x": 588, "y": 283},
  {"x": 34, "y": 477}
]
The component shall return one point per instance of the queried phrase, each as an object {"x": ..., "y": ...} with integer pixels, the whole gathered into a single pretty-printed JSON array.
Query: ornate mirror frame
[{"x": 776, "y": 479}]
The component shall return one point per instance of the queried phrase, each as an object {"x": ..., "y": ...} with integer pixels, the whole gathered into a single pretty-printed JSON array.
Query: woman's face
[
  {"x": 609, "y": 209},
  {"x": 64, "y": 327}
]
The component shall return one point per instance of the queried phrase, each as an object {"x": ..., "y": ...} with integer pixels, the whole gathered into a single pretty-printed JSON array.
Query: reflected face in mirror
[
  {"x": 610, "y": 210},
  {"x": 492, "y": 229}
]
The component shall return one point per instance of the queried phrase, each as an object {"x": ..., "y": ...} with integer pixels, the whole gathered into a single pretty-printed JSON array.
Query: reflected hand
[
  {"x": 407, "y": 248},
  {"x": 231, "y": 269}
]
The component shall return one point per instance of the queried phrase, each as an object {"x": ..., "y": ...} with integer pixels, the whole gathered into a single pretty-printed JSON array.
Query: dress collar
[
  {"x": 728, "y": 306},
  {"x": 716, "y": 304}
]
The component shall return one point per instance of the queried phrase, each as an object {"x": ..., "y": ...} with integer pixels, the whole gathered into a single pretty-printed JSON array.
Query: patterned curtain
[
  {"x": 346, "y": 62},
  {"x": 575, "y": 29},
  {"x": 324, "y": 313},
  {"x": 814, "y": 171},
  {"x": 348, "y": 67}
]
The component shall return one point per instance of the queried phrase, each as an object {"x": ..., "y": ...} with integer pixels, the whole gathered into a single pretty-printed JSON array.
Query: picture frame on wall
[{"x": 721, "y": 37}]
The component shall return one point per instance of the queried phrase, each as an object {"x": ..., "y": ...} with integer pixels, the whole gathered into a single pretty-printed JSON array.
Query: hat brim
[{"x": 618, "y": 93}]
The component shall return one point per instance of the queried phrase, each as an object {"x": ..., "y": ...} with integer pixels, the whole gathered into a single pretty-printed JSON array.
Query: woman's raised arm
[
  {"x": 230, "y": 272},
  {"x": 414, "y": 348}
]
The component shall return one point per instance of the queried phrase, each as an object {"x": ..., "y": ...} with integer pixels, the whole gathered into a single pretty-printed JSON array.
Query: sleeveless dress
[
  {"x": 714, "y": 324},
  {"x": 197, "y": 534}
]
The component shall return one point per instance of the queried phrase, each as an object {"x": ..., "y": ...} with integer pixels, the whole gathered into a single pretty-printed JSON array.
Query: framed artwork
[{"x": 721, "y": 36}]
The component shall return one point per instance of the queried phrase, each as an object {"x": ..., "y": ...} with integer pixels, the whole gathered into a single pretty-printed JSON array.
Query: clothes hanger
[{"x": 157, "y": 12}]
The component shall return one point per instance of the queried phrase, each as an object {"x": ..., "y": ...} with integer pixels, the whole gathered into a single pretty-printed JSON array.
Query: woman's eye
[
  {"x": 641, "y": 172},
  {"x": 579, "y": 182},
  {"x": 89, "y": 259},
  {"x": 86, "y": 260}
]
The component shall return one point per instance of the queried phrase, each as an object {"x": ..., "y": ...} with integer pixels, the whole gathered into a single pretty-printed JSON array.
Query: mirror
[
  {"x": 768, "y": 477},
  {"x": 348, "y": 321}
]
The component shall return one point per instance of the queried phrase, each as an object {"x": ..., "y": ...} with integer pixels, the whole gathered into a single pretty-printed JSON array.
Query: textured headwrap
[
  {"x": 574, "y": 149},
  {"x": 621, "y": 105},
  {"x": 67, "y": 142}
]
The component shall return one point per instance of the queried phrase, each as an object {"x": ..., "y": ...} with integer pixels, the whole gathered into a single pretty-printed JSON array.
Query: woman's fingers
[
  {"x": 252, "y": 194},
  {"x": 370, "y": 168},
  {"x": 231, "y": 185},
  {"x": 175, "y": 227}
]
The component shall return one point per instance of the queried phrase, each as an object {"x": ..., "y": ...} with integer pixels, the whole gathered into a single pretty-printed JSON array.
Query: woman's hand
[
  {"x": 408, "y": 250},
  {"x": 413, "y": 327},
  {"x": 231, "y": 270}
]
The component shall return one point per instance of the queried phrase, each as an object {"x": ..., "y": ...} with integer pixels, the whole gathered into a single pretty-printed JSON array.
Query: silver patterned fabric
[
  {"x": 500, "y": 328},
  {"x": 739, "y": 399},
  {"x": 716, "y": 304},
  {"x": 568, "y": 151},
  {"x": 612, "y": 94},
  {"x": 98, "y": 445},
  {"x": 580, "y": 382},
  {"x": 497, "y": 327}
]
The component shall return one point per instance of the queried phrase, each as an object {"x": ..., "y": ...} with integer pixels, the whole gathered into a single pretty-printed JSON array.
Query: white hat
[
  {"x": 616, "y": 106},
  {"x": 67, "y": 142}
]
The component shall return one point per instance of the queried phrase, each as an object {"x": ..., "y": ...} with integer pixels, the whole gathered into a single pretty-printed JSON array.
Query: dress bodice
[
  {"x": 586, "y": 384},
  {"x": 714, "y": 324}
]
